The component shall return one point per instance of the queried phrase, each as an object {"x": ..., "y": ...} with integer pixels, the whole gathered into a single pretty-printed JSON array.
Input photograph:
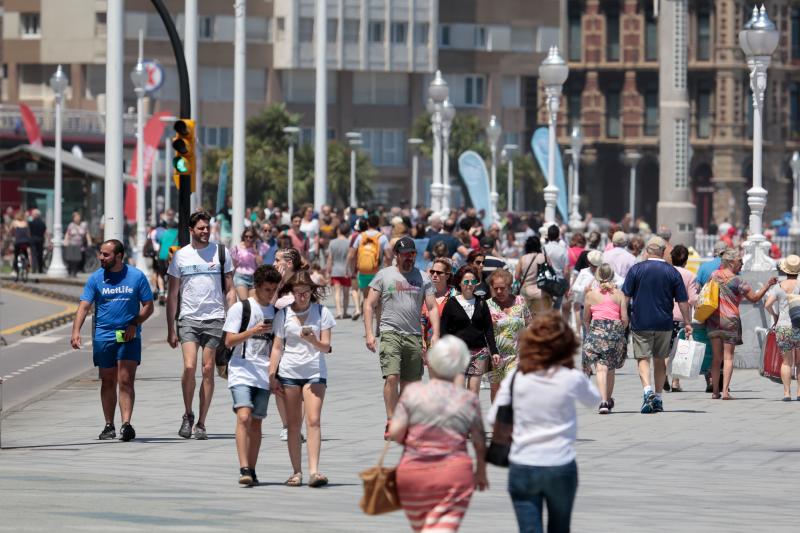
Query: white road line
[{"x": 46, "y": 360}]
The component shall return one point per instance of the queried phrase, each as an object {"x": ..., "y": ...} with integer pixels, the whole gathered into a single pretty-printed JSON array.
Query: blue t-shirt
[
  {"x": 654, "y": 286},
  {"x": 705, "y": 271},
  {"x": 117, "y": 297}
]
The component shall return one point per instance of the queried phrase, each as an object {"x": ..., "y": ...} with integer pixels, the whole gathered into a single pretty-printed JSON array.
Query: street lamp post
[
  {"x": 508, "y": 155},
  {"x": 437, "y": 94},
  {"x": 576, "y": 142},
  {"x": 758, "y": 41},
  {"x": 291, "y": 132},
  {"x": 354, "y": 139},
  {"x": 631, "y": 158},
  {"x": 139, "y": 78},
  {"x": 448, "y": 114},
  {"x": 794, "y": 229},
  {"x": 553, "y": 72},
  {"x": 493, "y": 131},
  {"x": 414, "y": 144},
  {"x": 57, "y": 269}
]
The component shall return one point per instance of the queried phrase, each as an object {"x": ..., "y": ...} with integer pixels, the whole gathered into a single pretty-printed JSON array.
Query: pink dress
[{"x": 435, "y": 479}]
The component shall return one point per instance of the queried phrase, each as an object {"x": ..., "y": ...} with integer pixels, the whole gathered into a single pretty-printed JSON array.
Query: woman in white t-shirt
[
  {"x": 543, "y": 392},
  {"x": 298, "y": 372}
]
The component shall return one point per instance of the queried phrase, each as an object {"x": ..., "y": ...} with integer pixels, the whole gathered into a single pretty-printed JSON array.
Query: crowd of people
[{"x": 442, "y": 293}]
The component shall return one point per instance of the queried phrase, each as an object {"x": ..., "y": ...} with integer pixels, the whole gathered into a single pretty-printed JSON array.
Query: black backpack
[{"x": 224, "y": 354}]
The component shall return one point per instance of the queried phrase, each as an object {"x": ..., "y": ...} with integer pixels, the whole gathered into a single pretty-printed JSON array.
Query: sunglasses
[
  {"x": 249, "y": 237},
  {"x": 438, "y": 272},
  {"x": 477, "y": 262},
  {"x": 470, "y": 282}
]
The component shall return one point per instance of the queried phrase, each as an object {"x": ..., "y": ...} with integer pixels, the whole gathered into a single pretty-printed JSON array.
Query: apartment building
[
  {"x": 612, "y": 92},
  {"x": 381, "y": 57}
]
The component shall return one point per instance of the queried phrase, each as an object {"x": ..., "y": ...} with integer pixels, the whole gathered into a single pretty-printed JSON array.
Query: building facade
[
  {"x": 381, "y": 57},
  {"x": 612, "y": 92}
]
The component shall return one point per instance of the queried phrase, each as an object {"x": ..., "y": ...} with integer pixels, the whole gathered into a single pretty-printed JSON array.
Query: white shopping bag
[{"x": 688, "y": 358}]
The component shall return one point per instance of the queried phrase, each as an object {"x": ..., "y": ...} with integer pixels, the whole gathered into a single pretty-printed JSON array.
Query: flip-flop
[
  {"x": 295, "y": 480},
  {"x": 728, "y": 397},
  {"x": 677, "y": 389},
  {"x": 716, "y": 396}
]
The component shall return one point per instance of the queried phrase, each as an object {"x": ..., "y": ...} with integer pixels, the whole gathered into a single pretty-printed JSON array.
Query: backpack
[
  {"x": 149, "y": 249},
  {"x": 224, "y": 355},
  {"x": 369, "y": 253}
]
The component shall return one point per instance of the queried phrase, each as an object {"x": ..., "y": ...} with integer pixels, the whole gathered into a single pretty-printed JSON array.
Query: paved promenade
[{"x": 701, "y": 466}]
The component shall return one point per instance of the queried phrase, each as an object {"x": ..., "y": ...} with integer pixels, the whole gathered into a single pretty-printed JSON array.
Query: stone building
[{"x": 612, "y": 92}]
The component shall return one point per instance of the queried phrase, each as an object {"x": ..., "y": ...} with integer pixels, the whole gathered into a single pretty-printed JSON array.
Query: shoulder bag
[
  {"x": 549, "y": 281},
  {"x": 380, "y": 488},
  {"x": 516, "y": 287},
  {"x": 500, "y": 446}
]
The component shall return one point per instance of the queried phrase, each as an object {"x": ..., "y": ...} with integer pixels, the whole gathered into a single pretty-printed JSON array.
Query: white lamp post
[
  {"x": 354, "y": 139},
  {"x": 631, "y": 158},
  {"x": 437, "y": 94},
  {"x": 758, "y": 40},
  {"x": 508, "y": 155},
  {"x": 576, "y": 142},
  {"x": 168, "y": 121},
  {"x": 414, "y": 144},
  {"x": 553, "y": 72},
  {"x": 448, "y": 114},
  {"x": 794, "y": 229},
  {"x": 57, "y": 269},
  {"x": 493, "y": 131},
  {"x": 291, "y": 132},
  {"x": 139, "y": 79}
]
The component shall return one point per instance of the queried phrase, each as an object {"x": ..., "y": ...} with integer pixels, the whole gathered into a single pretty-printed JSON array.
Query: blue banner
[
  {"x": 476, "y": 178},
  {"x": 539, "y": 143},
  {"x": 222, "y": 185}
]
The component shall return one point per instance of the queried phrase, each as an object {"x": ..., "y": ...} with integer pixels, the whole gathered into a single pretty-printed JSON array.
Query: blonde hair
[{"x": 605, "y": 277}]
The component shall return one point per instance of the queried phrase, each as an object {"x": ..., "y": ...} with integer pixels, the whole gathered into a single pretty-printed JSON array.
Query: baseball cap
[
  {"x": 620, "y": 238},
  {"x": 487, "y": 242},
  {"x": 405, "y": 245},
  {"x": 656, "y": 242}
]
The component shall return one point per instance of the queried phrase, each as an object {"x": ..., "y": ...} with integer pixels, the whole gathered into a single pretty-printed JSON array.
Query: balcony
[{"x": 75, "y": 123}]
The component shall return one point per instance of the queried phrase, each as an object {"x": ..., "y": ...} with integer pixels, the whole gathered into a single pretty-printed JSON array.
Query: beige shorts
[{"x": 648, "y": 344}]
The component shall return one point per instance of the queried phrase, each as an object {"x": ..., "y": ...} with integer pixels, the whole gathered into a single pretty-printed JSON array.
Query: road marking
[
  {"x": 67, "y": 307},
  {"x": 41, "y": 339},
  {"x": 43, "y": 361}
]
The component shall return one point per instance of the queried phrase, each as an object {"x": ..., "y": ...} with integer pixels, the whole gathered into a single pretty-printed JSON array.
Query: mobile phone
[
  {"x": 267, "y": 321},
  {"x": 307, "y": 330}
]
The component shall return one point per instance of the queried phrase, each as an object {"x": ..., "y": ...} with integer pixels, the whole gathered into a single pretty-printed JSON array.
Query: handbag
[
  {"x": 548, "y": 281},
  {"x": 380, "y": 488},
  {"x": 707, "y": 302},
  {"x": 500, "y": 446}
]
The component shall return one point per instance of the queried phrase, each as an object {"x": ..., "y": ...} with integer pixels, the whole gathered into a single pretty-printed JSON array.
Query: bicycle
[{"x": 22, "y": 266}]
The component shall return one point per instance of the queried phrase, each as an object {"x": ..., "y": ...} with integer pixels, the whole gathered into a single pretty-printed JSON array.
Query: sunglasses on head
[{"x": 470, "y": 282}]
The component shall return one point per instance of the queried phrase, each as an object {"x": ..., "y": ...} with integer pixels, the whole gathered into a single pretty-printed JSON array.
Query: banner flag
[
  {"x": 222, "y": 187},
  {"x": 31, "y": 126},
  {"x": 153, "y": 131},
  {"x": 473, "y": 171},
  {"x": 539, "y": 144}
]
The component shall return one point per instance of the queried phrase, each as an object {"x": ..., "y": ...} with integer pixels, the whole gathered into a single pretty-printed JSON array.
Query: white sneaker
[{"x": 284, "y": 434}]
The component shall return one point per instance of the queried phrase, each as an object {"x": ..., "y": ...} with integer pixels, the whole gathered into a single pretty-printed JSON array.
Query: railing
[
  {"x": 704, "y": 244},
  {"x": 73, "y": 121}
]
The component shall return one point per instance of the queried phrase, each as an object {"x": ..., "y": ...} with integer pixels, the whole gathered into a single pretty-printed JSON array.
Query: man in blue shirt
[
  {"x": 123, "y": 301},
  {"x": 709, "y": 267},
  {"x": 653, "y": 286}
]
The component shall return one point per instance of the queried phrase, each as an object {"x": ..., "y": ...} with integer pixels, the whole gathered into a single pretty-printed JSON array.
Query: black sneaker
[
  {"x": 186, "y": 426},
  {"x": 255, "y": 479},
  {"x": 126, "y": 432},
  {"x": 108, "y": 433},
  {"x": 610, "y": 404},
  {"x": 603, "y": 410},
  {"x": 246, "y": 476}
]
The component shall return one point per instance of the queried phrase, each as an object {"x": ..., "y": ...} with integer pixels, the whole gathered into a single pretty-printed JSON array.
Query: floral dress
[
  {"x": 507, "y": 327},
  {"x": 726, "y": 323},
  {"x": 788, "y": 337}
]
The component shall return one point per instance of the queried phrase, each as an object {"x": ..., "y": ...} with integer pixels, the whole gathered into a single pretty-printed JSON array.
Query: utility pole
[
  {"x": 190, "y": 53},
  {"x": 321, "y": 107},
  {"x": 115, "y": 61},
  {"x": 239, "y": 63}
]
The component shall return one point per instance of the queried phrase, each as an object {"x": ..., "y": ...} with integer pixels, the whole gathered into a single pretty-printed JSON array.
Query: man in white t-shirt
[
  {"x": 196, "y": 273},
  {"x": 248, "y": 369}
]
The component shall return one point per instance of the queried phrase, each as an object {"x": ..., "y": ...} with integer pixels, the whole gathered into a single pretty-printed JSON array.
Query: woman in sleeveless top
[
  {"x": 526, "y": 272},
  {"x": 605, "y": 318},
  {"x": 788, "y": 337}
]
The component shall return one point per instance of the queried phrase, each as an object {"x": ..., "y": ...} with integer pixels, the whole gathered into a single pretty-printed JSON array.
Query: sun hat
[
  {"x": 595, "y": 257},
  {"x": 790, "y": 265}
]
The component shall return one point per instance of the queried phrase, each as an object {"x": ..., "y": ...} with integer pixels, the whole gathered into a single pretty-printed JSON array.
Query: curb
[
  {"x": 75, "y": 282},
  {"x": 51, "y": 322}
]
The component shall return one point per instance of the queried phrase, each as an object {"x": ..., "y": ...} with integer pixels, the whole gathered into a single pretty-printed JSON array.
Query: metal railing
[
  {"x": 704, "y": 244},
  {"x": 74, "y": 121}
]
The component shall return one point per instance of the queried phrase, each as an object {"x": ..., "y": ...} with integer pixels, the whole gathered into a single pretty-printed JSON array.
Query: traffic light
[{"x": 183, "y": 164}]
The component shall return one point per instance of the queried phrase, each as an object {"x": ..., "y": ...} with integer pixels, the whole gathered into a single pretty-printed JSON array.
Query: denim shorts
[
  {"x": 297, "y": 382},
  {"x": 105, "y": 354},
  {"x": 243, "y": 280},
  {"x": 255, "y": 398}
]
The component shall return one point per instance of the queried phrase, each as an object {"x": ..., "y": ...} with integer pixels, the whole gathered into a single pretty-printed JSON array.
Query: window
[
  {"x": 215, "y": 136},
  {"x": 385, "y": 147},
  {"x": 523, "y": 39},
  {"x": 479, "y": 37},
  {"x": 29, "y": 25},
  {"x": 574, "y": 106},
  {"x": 613, "y": 126},
  {"x": 378, "y": 88},
  {"x": 307, "y": 135},
  {"x": 154, "y": 28},
  {"x": 305, "y": 30},
  {"x": 511, "y": 91},
  {"x": 651, "y": 109},
  {"x": 704, "y": 112},
  {"x": 351, "y": 30},
  {"x": 298, "y": 86},
  {"x": 332, "y": 30},
  {"x": 794, "y": 111},
  {"x": 398, "y": 33},
  {"x": 206, "y": 28},
  {"x": 421, "y": 33},
  {"x": 473, "y": 90},
  {"x": 650, "y": 35},
  {"x": 444, "y": 36},
  {"x": 575, "y": 30},
  {"x": 257, "y": 29},
  {"x": 375, "y": 31},
  {"x": 796, "y": 33},
  {"x": 280, "y": 28},
  {"x": 100, "y": 24},
  {"x": 612, "y": 33},
  {"x": 704, "y": 33}
]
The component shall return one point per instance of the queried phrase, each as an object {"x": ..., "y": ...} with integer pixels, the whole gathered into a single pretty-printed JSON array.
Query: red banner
[
  {"x": 31, "y": 126},
  {"x": 153, "y": 131}
]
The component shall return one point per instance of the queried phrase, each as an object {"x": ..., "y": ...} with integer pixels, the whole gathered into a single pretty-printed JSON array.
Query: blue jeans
[{"x": 532, "y": 486}]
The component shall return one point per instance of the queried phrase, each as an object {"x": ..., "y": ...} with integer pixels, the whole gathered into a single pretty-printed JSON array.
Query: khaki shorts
[
  {"x": 401, "y": 354},
  {"x": 207, "y": 333},
  {"x": 648, "y": 344}
]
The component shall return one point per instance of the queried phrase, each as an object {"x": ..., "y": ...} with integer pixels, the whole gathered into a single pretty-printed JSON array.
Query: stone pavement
[{"x": 701, "y": 466}]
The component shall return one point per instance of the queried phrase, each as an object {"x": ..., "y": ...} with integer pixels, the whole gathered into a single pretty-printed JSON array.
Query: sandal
[
  {"x": 728, "y": 397},
  {"x": 716, "y": 396},
  {"x": 317, "y": 480},
  {"x": 787, "y": 399},
  {"x": 295, "y": 480}
]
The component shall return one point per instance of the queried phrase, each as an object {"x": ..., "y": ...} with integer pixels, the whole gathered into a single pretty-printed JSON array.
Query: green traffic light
[{"x": 181, "y": 165}]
